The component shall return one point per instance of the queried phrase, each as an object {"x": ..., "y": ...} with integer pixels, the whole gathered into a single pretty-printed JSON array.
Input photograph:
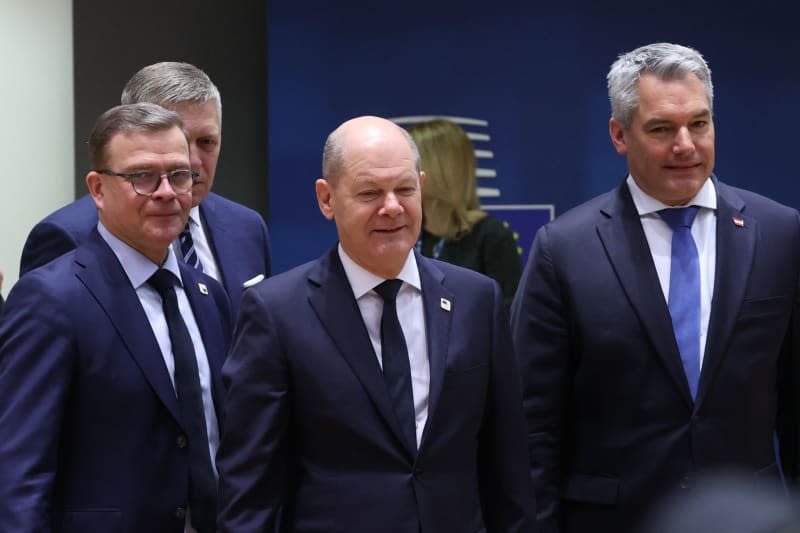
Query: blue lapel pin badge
[
  {"x": 445, "y": 304},
  {"x": 738, "y": 222},
  {"x": 203, "y": 288}
]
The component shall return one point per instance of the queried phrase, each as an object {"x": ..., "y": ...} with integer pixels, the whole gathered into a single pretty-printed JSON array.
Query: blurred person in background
[{"x": 455, "y": 228}]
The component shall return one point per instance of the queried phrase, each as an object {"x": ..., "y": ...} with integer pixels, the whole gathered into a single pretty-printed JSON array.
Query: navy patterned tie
[
  {"x": 396, "y": 366},
  {"x": 202, "y": 482},
  {"x": 188, "y": 251},
  {"x": 684, "y": 291}
]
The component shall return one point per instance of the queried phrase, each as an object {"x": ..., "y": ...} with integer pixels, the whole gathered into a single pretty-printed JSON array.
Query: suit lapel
[
  {"x": 437, "y": 328},
  {"x": 331, "y": 297},
  {"x": 100, "y": 271},
  {"x": 734, "y": 258},
  {"x": 629, "y": 254}
]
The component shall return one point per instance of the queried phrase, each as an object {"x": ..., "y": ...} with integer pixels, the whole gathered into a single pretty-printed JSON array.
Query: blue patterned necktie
[
  {"x": 684, "y": 291},
  {"x": 188, "y": 251},
  {"x": 396, "y": 366}
]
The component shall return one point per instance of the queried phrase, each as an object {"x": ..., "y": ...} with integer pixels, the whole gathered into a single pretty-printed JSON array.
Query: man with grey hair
[
  {"x": 373, "y": 389},
  {"x": 112, "y": 353},
  {"x": 224, "y": 239},
  {"x": 656, "y": 325}
]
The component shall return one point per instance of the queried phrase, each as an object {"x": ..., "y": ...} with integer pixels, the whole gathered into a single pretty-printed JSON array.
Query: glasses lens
[
  {"x": 180, "y": 180},
  {"x": 145, "y": 182}
]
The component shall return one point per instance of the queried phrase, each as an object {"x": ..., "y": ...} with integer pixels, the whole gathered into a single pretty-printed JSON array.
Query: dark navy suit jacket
[
  {"x": 89, "y": 419},
  {"x": 237, "y": 235},
  {"x": 311, "y": 427},
  {"x": 611, "y": 422}
]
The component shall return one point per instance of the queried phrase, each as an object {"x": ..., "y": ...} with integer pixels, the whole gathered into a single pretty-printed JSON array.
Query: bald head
[
  {"x": 362, "y": 132},
  {"x": 371, "y": 189}
]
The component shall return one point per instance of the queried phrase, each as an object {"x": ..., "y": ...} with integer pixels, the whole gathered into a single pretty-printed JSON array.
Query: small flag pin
[
  {"x": 738, "y": 222},
  {"x": 203, "y": 288},
  {"x": 445, "y": 303}
]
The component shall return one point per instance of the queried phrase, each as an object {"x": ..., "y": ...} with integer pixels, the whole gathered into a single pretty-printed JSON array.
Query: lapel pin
[
  {"x": 445, "y": 304},
  {"x": 738, "y": 222},
  {"x": 203, "y": 288}
]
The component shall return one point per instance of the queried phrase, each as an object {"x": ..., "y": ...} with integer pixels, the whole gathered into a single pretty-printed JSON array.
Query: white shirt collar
[
  {"x": 646, "y": 204},
  {"x": 362, "y": 281},
  {"x": 194, "y": 216},
  {"x": 137, "y": 267}
]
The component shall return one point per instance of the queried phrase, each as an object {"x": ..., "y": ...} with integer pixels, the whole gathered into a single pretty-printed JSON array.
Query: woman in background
[{"x": 454, "y": 227}]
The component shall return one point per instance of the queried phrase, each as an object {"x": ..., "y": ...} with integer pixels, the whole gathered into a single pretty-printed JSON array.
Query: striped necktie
[{"x": 188, "y": 251}]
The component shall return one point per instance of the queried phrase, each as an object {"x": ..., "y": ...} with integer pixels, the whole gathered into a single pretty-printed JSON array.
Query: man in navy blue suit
[
  {"x": 231, "y": 241},
  {"x": 96, "y": 433},
  {"x": 654, "y": 352},
  {"x": 337, "y": 421}
]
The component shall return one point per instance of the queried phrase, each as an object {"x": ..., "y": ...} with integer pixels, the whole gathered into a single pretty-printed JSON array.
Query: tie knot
[
  {"x": 681, "y": 217},
  {"x": 389, "y": 288},
  {"x": 162, "y": 280},
  {"x": 185, "y": 233}
]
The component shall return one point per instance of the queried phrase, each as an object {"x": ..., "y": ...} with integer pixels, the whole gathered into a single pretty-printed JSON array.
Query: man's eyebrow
[{"x": 705, "y": 113}]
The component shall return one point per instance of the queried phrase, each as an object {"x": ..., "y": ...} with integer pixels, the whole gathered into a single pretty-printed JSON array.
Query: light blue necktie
[{"x": 684, "y": 291}]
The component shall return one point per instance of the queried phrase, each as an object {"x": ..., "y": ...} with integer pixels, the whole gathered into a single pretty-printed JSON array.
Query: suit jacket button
[
  {"x": 181, "y": 441},
  {"x": 418, "y": 472},
  {"x": 686, "y": 482},
  {"x": 180, "y": 513}
]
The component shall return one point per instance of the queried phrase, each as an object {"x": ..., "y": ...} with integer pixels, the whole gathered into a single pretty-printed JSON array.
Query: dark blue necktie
[
  {"x": 202, "y": 482},
  {"x": 188, "y": 251},
  {"x": 684, "y": 291},
  {"x": 396, "y": 366}
]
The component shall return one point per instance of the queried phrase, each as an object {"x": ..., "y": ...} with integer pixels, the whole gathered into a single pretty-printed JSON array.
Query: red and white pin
[{"x": 738, "y": 222}]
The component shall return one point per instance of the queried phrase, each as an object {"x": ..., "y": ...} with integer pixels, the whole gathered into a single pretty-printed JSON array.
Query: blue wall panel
[{"x": 535, "y": 72}]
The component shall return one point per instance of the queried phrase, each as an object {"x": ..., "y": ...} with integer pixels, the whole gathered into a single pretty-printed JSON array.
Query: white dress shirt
[
  {"x": 201, "y": 245},
  {"x": 659, "y": 238},
  {"x": 410, "y": 312}
]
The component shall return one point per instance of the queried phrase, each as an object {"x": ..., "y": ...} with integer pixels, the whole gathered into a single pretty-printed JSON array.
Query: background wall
[
  {"x": 536, "y": 72},
  {"x": 226, "y": 39},
  {"x": 36, "y": 129}
]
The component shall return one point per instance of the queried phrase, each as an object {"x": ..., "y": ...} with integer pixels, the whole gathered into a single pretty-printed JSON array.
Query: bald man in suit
[{"x": 373, "y": 389}]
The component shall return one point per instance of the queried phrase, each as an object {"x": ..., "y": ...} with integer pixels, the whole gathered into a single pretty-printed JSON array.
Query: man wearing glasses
[
  {"x": 111, "y": 354},
  {"x": 226, "y": 240}
]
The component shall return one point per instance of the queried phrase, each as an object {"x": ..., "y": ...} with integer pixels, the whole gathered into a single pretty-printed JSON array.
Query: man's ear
[
  {"x": 94, "y": 182},
  {"x": 618, "y": 136},
  {"x": 324, "y": 197}
]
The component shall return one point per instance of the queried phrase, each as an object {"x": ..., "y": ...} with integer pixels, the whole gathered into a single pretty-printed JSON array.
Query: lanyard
[{"x": 437, "y": 249}]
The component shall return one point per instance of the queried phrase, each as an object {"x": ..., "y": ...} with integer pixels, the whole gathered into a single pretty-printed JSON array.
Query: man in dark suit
[
  {"x": 344, "y": 423},
  {"x": 104, "y": 428},
  {"x": 651, "y": 356},
  {"x": 230, "y": 242}
]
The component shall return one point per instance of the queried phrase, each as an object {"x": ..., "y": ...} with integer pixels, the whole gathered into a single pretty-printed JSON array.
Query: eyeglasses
[{"x": 146, "y": 182}]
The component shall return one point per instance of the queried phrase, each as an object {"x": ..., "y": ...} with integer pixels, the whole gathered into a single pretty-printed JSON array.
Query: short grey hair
[
  {"x": 141, "y": 117},
  {"x": 171, "y": 83},
  {"x": 666, "y": 61},
  {"x": 333, "y": 154}
]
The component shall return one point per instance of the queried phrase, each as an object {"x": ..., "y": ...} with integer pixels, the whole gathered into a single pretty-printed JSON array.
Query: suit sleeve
[
  {"x": 253, "y": 452},
  {"x": 45, "y": 242},
  {"x": 788, "y": 416},
  {"x": 540, "y": 331},
  {"x": 37, "y": 352},
  {"x": 507, "y": 498}
]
